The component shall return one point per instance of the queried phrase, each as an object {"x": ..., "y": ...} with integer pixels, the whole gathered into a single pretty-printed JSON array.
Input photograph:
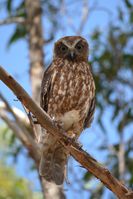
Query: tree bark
[
  {"x": 35, "y": 38},
  {"x": 36, "y": 42}
]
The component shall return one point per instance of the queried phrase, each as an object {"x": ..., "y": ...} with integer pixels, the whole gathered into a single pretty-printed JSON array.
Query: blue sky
[{"x": 16, "y": 61}]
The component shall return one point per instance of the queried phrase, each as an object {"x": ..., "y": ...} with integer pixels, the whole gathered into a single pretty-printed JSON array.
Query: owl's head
[{"x": 73, "y": 48}]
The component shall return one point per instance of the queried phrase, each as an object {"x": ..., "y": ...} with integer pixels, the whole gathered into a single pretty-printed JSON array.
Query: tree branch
[
  {"x": 84, "y": 18},
  {"x": 21, "y": 116},
  {"x": 25, "y": 139},
  {"x": 22, "y": 120},
  {"x": 79, "y": 154},
  {"x": 25, "y": 127},
  {"x": 12, "y": 20},
  {"x": 16, "y": 115}
]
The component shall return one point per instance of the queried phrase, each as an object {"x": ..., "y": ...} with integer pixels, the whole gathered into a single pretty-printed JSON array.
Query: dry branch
[
  {"x": 79, "y": 154},
  {"x": 12, "y": 20},
  {"x": 30, "y": 144},
  {"x": 19, "y": 129},
  {"x": 15, "y": 111}
]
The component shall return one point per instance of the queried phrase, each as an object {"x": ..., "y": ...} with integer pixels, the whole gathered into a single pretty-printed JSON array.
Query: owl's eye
[
  {"x": 63, "y": 48},
  {"x": 79, "y": 47}
]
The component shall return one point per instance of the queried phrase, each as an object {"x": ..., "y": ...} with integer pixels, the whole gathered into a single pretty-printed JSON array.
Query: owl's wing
[
  {"x": 90, "y": 114},
  {"x": 45, "y": 88}
]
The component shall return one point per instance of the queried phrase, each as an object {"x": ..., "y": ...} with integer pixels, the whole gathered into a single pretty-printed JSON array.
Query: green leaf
[
  {"x": 96, "y": 35},
  {"x": 20, "y": 10},
  {"x": 12, "y": 140},
  {"x": 131, "y": 17},
  {"x": 123, "y": 39},
  {"x": 19, "y": 33},
  {"x": 9, "y": 6},
  {"x": 87, "y": 176},
  {"x": 100, "y": 122},
  {"x": 115, "y": 113},
  {"x": 128, "y": 3}
]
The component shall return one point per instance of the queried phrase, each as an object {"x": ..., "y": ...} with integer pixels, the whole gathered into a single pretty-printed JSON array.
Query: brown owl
[{"x": 68, "y": 96}]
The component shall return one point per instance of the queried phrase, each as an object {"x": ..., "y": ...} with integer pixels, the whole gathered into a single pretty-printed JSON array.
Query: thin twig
[
  {"x": 14, "y": 111},
  {"x": 18, "y": 121},
  {"x": 12, "y": 20},
  {"x": 84, "y": 18}
]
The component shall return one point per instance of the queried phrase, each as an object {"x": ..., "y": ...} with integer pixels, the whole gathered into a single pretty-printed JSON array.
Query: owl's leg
[
  {"x": 74, "y": 138},
  {"x": 74, "y": 133}
]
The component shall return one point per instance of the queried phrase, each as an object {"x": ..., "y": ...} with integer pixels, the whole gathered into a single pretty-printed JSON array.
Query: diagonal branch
[{"x": 79, "y": 154}]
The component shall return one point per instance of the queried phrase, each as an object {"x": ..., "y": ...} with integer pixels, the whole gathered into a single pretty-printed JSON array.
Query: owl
[{"x": 68, "y": 96}]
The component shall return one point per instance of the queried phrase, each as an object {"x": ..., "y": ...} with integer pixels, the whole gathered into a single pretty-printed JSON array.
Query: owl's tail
[{"x": 53, "y": 161}]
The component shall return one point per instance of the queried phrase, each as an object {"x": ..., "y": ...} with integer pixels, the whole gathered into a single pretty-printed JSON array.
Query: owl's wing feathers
[
  {"x": 45, "y": 88},
  {"x": 54, "y": 155},
  {"x": 90, "y": 114}
]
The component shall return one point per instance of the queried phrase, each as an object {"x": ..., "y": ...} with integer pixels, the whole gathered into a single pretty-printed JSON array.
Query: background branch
[
  {"x": 25, "y": 139},
  {"x": 12, "y": 20},
  {"x": 18, "y": 127},
  {"x": 18, "y": 115}
]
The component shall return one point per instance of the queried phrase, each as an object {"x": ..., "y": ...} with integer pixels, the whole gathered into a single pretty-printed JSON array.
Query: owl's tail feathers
[{"x": 53, "y": 163}]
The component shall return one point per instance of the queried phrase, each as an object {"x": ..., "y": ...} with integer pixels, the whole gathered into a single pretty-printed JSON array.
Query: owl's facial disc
[
  {"x": 75, "y": 50},
  {"x": 71, "y": 48}
]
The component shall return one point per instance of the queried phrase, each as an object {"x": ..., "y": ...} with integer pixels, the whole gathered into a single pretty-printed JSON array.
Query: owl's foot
[
  {"x": 72, "y": 138},
  {"x": 71, "y": 135},
  {"x": 58, "y": 123},
  {"x": 80, "y": 145}
]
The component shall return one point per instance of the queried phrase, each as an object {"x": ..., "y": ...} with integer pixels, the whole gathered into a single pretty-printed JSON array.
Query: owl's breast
[{"x": 71, "y": 88}]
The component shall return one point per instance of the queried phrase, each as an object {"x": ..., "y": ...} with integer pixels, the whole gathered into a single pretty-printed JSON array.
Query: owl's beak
[{"x": 72, "y": 54}]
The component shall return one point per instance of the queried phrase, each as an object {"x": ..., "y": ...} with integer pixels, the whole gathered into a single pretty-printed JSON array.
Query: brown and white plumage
[{"x": 68, "y": 96}]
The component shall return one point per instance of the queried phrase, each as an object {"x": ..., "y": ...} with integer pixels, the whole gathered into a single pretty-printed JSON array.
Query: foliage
[
  {"x": 112, "y": 63},
  {"x": 113, "y": 71},
  {"x": 12, "y": 186},
  {"x": 9, "y": 144},
  {"x": 50, "y": 11}
]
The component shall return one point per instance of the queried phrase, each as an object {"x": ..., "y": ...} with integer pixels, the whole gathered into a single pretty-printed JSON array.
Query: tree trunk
[
  {"x": 35, "y": 38},
  {"x": 35, "y": 41}
]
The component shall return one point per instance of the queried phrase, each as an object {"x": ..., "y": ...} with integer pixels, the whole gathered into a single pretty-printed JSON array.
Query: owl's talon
[
  {"x": 58, "y": 124},
  {"x": 72, "y": 140},
  {"x": 79, "y": 145}
]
